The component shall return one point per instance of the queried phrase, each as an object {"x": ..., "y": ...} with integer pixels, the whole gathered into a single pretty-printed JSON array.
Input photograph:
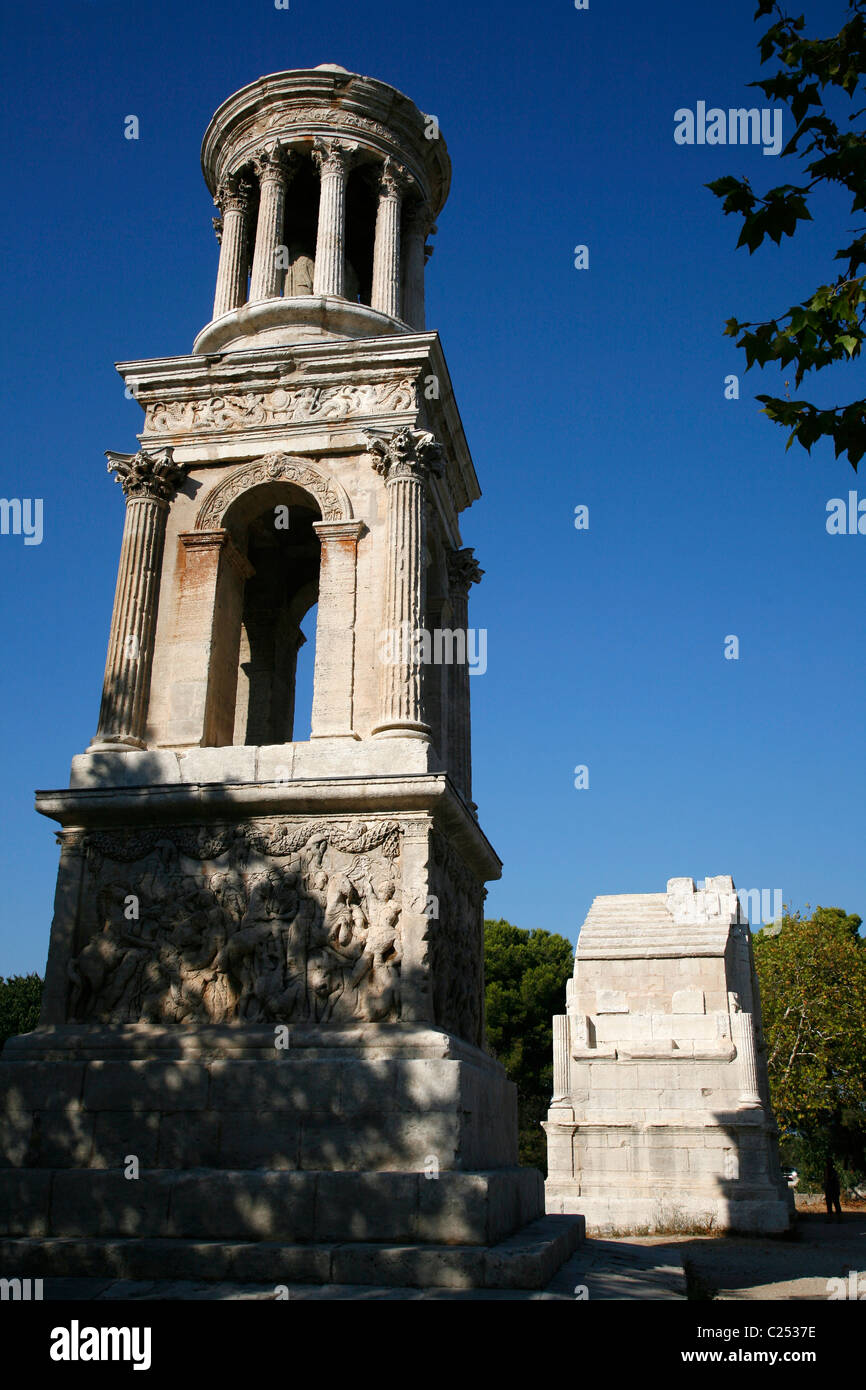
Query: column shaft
[
  {"x": 330, "y": 270},
  {"x": 744, "y": 1038},
  {"x": 149, "y": 482},
  {"x": 231, "y": 286},
  {"x": 386, "y": 251},
  {"x": 265, "y": 282},
  {"x": 130, "y": 649},
  {"x": 400, "y": 687},
  {"x": 405, "y": 461},
  {"x": 414, "y": 259},
  {"x": 463, "y": 573}
]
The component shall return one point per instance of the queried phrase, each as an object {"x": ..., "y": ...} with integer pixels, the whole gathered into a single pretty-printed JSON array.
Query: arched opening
[{"x": 276, "y": 535}]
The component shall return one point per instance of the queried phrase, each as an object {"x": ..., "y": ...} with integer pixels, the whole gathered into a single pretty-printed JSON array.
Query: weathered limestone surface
[
  {"x": 265, "y": 986},
  {"x": 660, "y": 1116}
]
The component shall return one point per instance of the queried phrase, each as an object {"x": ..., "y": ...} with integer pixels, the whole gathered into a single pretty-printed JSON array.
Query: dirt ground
[{"x": 797, "y": 1266}]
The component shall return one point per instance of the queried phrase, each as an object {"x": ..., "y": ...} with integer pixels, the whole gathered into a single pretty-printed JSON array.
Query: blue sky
[{"x": 601, "y": 387}]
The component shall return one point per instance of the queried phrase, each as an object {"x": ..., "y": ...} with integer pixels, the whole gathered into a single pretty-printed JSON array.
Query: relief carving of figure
[{"x": 257, "y": 923}]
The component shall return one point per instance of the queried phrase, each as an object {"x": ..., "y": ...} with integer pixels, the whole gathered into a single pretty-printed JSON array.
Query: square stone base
[{"x": 356, "y": 1155}]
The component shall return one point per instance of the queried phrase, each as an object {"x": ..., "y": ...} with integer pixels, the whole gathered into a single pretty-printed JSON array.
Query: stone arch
[{"x": 331, "y": 499}]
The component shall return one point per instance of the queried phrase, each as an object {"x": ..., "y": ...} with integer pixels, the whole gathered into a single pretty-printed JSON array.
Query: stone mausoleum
[
  {"x": 660, "y": 1118},
  {"x": 260, "y": 1055}
]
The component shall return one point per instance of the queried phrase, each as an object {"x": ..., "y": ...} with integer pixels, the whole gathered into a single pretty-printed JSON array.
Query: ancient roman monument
[
  {"x": 260, "y": 1054},
  {"x": 660, "y": 1117}
]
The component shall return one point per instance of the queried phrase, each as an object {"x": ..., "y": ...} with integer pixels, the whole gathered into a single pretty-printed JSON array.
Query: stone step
[
  {"x": 293, "y": 1111},
  {"x": 478, "y": 1208},
  {"x": 526, "y": 1260}
]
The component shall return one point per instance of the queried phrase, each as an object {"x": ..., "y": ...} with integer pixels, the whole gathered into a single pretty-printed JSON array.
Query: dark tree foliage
[
  {"x": 828, "y": 325},
  {"x": 20, "y": 997},
  {"x": 812, "y": 972},
  {"x": 526, "y": 973}
]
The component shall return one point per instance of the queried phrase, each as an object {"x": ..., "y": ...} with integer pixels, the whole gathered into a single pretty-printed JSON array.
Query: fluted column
[
  {"x": 332, "y": 158},
  {"x": 743, "y": 1028},
  {"x": 561, "y": 1061},
  {"x": 416, "y": 226},
  {"x": 272, "y": 167},
  {"x": 463, "y": 572},
  {"x": 233, "y": 201},
  {"x": 386, "y": 250},
  {"x": 150, "y": 482},
  {"x": 406, "y": 461}
]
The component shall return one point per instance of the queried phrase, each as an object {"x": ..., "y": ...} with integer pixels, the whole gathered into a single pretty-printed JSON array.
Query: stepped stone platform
[{"x": 371, "y": 1155}]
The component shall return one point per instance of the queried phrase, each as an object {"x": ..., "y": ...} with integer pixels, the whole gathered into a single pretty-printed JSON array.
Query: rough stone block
[
  {"x": 191, "y": 1139},
  {"x": 25, "y": 1198},
  {"x": 284, "y": 1086},
  {"x": 117, "y": 1134},
  {"x": 250, "y": 1140},
  {"x": 366, "y": 1207},
  {"x": 145, "y": 1085},
  {"x": 244, "y": 1206},
  {"x": 92, "y": 1203}
]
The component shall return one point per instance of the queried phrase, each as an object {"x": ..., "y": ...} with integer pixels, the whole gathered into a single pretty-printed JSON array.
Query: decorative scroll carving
[
  {"x": 155, "y": 476},
  {"x": 319, "y": 116},
  {"x": 281, "y": 406},
  {"x": 283, "y": 921},
  {"x": 332, "y": 500},
  {"x": 463, "y": 569},
  {"x": 456, "y": 944}
]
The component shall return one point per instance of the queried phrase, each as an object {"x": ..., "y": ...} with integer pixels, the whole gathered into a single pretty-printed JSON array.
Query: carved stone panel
[
  {"x": 281, "y": 406},
  {"x": 456, "y": 943},
  {"x": 283, "y": 920}
]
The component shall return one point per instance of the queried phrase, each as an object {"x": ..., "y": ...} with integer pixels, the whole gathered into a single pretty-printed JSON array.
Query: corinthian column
[
  {"x": 463, "y": 572},
  {"x": 416, "y": 226},
  {"x": 386, "y": 250},
  {"x": 150, "y": 483},
  {"x": 272, "y": 168},
  {"x": 332, "y": 159},
  {"x": 233, "y": 201},
  {"x": 405, "y": 461}
]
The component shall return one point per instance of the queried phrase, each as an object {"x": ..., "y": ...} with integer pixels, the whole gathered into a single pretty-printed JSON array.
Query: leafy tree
[
  {"x": 828, "y": 325},
  {"x": 526, "y": 973},
  {"x": 20, "y": 998},
  {"x": 812, "y": 974}
]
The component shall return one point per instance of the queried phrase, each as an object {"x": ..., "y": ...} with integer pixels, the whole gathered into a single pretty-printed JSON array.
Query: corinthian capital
[
  {"x": 406, "y": 454},
  {"x": 333, "y": 156},
  {"x": 275, "y": 163},
  {"x": 394, "y": 179},
  {"x": 155, "y": 476},
  {"x": 233, "y": 195},
  {"x": 463, "y": 569}
]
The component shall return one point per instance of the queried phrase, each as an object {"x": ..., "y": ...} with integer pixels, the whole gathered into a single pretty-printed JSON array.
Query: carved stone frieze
[{"x": 282, "y": 406}]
